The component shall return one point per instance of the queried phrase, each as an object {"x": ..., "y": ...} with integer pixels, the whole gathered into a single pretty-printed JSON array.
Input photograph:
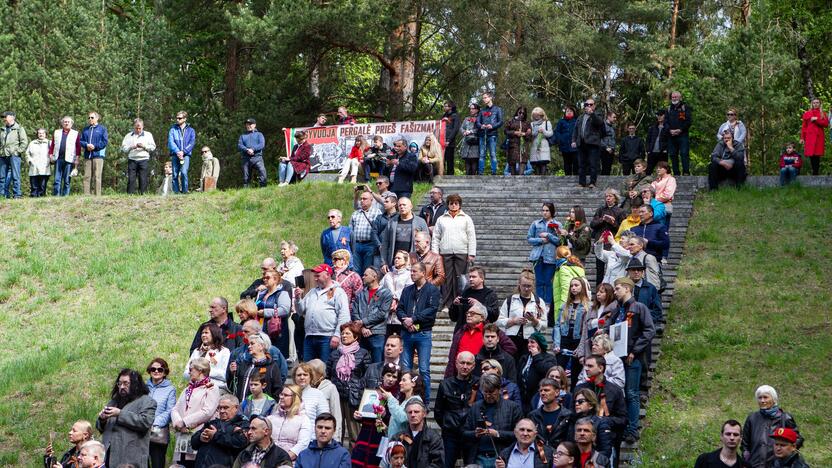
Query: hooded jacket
[
  {"x": 333, "y": 455},
  {"x": 164, "y": 394}
]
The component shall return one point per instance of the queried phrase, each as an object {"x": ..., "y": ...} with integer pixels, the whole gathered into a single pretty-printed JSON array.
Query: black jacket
[
  {"x": 405, "y": 173},
  {"x": 756, "y": 435},
  {"x": 231, "y": 330},
  {"x": 616, "y": 403},
  {"x": 420, "y": 305},
  {"x": 251, "y": 291},
  {"x": 653, "y": 132},
  {"x": 792, "y": 461},
  {"x": 372, "y": 376},
  {"x": 640, "y": 329},
  {"x": 605, "y": 436},
  {"x": 556, "y": 433},
  {"x": 596, "y": 129},
  {"x": 425, "y": 450},
  {"x": 270, "y": 371},
  {"x": 505, "y": 418},
  {"x": 711, "y": 460},
  {"x": 486, "y": 296},
  {"x": 599, "y": 224},
  {"x": 506, "y": 360},
  {"x": 229, "y": 440},
  {"x": 430, "y": 215},
  {"x": 452, "y": 127},
  {"x": 451, "y": 409},
  {"x": 352, "y": 388},
  {"x": 680, "y": 117},
  {"x": 649, "y": 295},
  {"x": 548, "y": 452},
  {"x": 275, "y": 457},
  {"x": 632, "y": 148},
  {"x": 530, "y": 380},
  {"x": 658, "y": 242}
]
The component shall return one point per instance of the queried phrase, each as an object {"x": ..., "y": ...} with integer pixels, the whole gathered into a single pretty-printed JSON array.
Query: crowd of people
[{"x": 329, "y": 366}]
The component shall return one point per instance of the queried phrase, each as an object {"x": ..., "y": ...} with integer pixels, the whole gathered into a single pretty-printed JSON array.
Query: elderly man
[
  {"x": 231, "y": 330},
  {"x": 181, "y": 142},
  {"x": 658, "y": 242},
  {"x": 370, "y": 307},
  {"x": 400, "y": 233},
  {"x": 261, "y": 449},
  {"x": 405, "y": 166},
  {"x": 476, "y": 291},
  {"x": 434, "y": 267},
  {"x": 92, "y": 455},
  {"x": 325, "y": 308},
  {"x": 727, "y": 455},
  {"x": 416, "y": 310},
  {"x": 523, "y": 453},
  {"x": 251, "y": 144},
  {"x": 490, "y": 423},
  {"x": 645, "y": 292},
  {"x": 390, "y": 206},
  {"x": 455, "y": 239},
  {"x": 471, "y": 338},
  {"x": 423, "y": 444},
  {"x": 126, "y": 420},
  {"x": 269, "y": 264},
  {"x": 434, "y": 209},
  {"x": 335, "y": 237},
  {"x": 94, "y": 141},
  {"x": 363, "y": 239},
  {"x": 13, "y": 144},
  {"x": 785, "y": 449},
  {"x": 679, "y": 120},
  {"x": 221, "y": 439},
  {"x": 65, "y": 150},
  {"x": 453, "y": 400},
  {"x": 138, "y": 145}
]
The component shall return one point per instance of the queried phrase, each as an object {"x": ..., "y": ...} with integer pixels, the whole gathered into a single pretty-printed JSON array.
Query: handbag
[{"x": 160, "y": 435}]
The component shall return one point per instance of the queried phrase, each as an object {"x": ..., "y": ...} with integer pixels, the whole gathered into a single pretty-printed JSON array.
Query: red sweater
[
  {"x": 356, "y": 153},
  {"x": 794, "y": 160},
  {"x": 471, "y": 339}
]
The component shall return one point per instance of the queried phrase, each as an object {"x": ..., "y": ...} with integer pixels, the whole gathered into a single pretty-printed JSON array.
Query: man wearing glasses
[
  {"x": 94, "y": 139},
  {"x": 181, "y": 142},
  {"x": 586, "y": 138}
]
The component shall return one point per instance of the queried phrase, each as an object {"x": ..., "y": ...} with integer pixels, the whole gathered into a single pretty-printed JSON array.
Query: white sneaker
[{"x": 283, "y": 184}]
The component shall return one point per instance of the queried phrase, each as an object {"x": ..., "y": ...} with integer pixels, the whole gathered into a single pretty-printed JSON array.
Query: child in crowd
[
  {"x": 167, "y": 186},
  {"x": 790, "y": 163},
  {"x": 257, "y": 403}
]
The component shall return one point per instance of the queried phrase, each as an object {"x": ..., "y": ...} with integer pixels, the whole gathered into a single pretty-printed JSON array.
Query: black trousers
[
  {"x": 455, "y": 265},
  {"x": 471, "y": 166},
  {"x": 717, "y": 174},
  {"x": 627, "y": 168},
  {"x": 653, "y": 158},
  {"x": 38, "y": 185},
  {"x": 606, "y": 162},
  {"x": 570, "y": 163},
  {"x": 815, "y": 160},
  {"x": 540, "y": 167},
  {"x": 137, "y": 170},
  {"x": 450, "y": 149},
  {"x": 588, "y": 161},
  {"x": 158, "y": 453}
]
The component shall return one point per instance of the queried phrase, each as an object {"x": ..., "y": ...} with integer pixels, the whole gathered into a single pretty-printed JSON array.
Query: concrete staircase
[{"x": 503, "y": 208}]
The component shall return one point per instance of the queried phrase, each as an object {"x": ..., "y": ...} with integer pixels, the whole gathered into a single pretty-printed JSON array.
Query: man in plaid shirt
[{"x": 364, "y": 241}]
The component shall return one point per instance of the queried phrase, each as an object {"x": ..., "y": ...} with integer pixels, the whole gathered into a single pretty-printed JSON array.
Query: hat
[
  {"x": 541, "y": 341},
  {"x": 625, "y": 281},
  {"x": 635, "y": 264},
  {"x": 661, "y": 112},
  {"x": 785, "y": 433},
  {"x": 323, "y": 267},
  {"x": 251, "y": 120}
]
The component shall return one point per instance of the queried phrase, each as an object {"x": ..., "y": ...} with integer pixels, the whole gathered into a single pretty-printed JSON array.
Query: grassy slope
[
  {"x": 751, "y": 307},
  {"x": 92, "y": 285}
]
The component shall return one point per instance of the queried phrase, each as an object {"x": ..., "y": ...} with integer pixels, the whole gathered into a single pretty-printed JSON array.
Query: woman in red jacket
[
  {"x": 298, "y": 162},
  {"x": 813, "y": 135}
]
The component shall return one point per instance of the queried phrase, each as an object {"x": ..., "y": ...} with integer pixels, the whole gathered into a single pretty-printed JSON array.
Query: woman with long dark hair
[
  {"x": 518, "y": 135},
  {"x": 470, "y": 151},
  {"x": 211, "y": 348},
  {"x": 577, "y": 233}
]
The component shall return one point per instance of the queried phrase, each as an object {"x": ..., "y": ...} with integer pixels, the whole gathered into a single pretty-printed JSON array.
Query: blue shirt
[{"x": 518, "y": 460}]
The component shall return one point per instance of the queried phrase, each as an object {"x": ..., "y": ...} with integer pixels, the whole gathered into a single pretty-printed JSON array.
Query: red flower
[
  {"x": 486, "y": 114},
  {"x": 577, "y": 224},
  {"x": 601, "y": 322},
  {"x": 552, "y": 226}
]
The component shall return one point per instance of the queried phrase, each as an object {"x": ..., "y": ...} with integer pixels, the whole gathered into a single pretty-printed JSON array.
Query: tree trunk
[
  {"x": 803, "y": 57},
  {"x": 674, "y": 19},
  {"x": 404, "y": 48},
  {"x": 232, "y": 71}
]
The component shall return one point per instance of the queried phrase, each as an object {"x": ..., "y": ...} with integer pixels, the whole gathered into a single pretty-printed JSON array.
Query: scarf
[
  {"x": 190, "y": 390},
  {"x": 771, "y": 412},
  {"x": 346, "y": 363}
]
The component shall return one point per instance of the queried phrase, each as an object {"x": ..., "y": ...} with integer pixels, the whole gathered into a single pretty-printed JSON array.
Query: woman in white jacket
[
  {"x": 616, "y": 259},
  {"x": 523, "y": 313},
  {"x": 195, "y": 407},
  {"x": 542, "y": 130},
  {"x": 37, "y": 155},
  {"x": 291, "y": 429},
  {"x": 395, "y": 281},
  {"x": 217, "y": 355}
]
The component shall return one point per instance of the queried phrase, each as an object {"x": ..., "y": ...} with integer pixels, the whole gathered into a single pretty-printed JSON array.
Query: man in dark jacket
[
  {"x": 94, "y": 140},
  {"x": 516, "y": 455},
  {"x": 370, "y": 307},
  {"x": 453, "y": 400},
  {"x": 435, "y": 208},
  {"x": 657, "y": 136},
  {"x": 586, "y": 138},
  {"x": 251, "y": 144},
  {"x": 585, "y": 435},
  {"x": 269, "y": 264},
  {"x": 658, "y": 243},
  {"x": 400, "y": 233},
  {"x": 489, "y": 427},
  {"x": 679, "y": 119},
  {"x": 608, "y": 393},
  {"x": 405, "y": 166},
  {"x": 231, "y": 330},
  {"x": 423, "y": 444},
  {"x": 551, "y": 419},
  {"x": 632, "y": 148},
  {"x": 262, "y": 450},
  {"x": 417, "y": 309},
  {"x": 323, "y": 452},
  {"x": 645, "y": 292},
  {"x": 640, "y": 333},
  {"x": 498, "y": 346},
  {"x": 785, "y": 449},
  {"x": 489, "y": 121},
  {"x": 452, "y": 125},
  {"x": 126, "y": 420},
  {"x": 476, "y": 291},
  {"x": 728, "y": 454},
  {"x": 392, "y": 353},
  {"x": 221, "y": 440}
]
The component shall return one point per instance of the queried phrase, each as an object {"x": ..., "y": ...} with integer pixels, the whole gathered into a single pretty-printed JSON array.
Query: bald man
[{"x": 454, "y": 398}]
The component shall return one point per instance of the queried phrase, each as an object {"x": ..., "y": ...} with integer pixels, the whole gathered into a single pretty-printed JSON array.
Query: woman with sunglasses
[
  {"x": 164, "y": 394},
  {"x": 733, "y": 124}
]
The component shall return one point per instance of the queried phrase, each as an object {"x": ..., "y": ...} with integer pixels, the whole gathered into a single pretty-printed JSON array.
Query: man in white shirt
[{"x": 138, "y": 145}]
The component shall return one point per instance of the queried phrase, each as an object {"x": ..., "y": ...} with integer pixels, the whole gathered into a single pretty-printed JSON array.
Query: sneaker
[
  {"x": 592, "y": 186},
  {"x": 283, "y": 184}
]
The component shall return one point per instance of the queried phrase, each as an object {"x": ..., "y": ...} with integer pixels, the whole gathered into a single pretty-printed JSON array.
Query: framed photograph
[
  {"x": 368, "y": 399},
  {"x": 618, "y": 335}
]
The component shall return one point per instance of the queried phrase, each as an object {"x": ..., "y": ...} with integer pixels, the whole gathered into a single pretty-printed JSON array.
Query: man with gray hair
[
  {"x": 434, "y": 267},
  {"x": 138, "y": 145},
  {"x": 92, "y": 455},
  {"x": 468, "y": 338},
  {"x": 453, "y": 400},
  {"x": 489, "y": 428},
  {"x": 423, "y": 444},
  {"x": 94, "y": 140},
  {"x": 12, "y": 146},
  {"x": 65, "y": 150},
  {"x": 268, "y": 264},
  {"x": 221, "y": 439},
  {"x": 400, "y": 233},
  {"x": 523, "y": 453},
  {"x": 335, "y": 237}
]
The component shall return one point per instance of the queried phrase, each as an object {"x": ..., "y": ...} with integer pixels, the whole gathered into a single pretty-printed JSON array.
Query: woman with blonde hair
[
  {"x": 540, "y": 154},
  {"x": 569, "y": 266},
  {"x": 79, "y": 434},
  {"x": 569, "y": 326},
  {"x": 522, "y": 313},
  {"x": 291, "y": 429},
  {"x": 314, "y": 401},
  {"x": 195, "y": 407},
  {"x": 330, "y": 392},
  {"x": 431, "y": 154},
  {"x": 354, "y": 160},
  {"x": 395, "y": 281}
]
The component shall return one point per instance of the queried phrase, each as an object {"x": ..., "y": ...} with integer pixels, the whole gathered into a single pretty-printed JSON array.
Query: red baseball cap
[
  {"x": 323, "y": 267},
  {"x": 785, "y": 433}
]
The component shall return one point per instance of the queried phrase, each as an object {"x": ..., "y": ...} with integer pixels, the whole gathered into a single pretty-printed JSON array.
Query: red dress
[{"x": 813, "y": 133}]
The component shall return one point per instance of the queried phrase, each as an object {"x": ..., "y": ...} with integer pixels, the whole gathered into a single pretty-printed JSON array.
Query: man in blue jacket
[
  {"x": 405, "y": 166},
  {"x": 489, "y": 120},
  {"x": 251, "y": 144},
  {"x": 181, "y": 141},
  {"x": 658, "y": 242},
  {"x": 335, "y": 237},
  {"x": 417, "y": 309},
  {"x": 94, "y": 140},
  {"x": 323, "y": 452}
]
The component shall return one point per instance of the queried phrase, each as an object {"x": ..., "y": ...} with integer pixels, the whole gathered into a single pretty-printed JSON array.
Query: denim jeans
[
  {"x": 363, "y": 256},
  {"x": 62, "y": 171},
  {"x": 253, "y": 162},
  {"x": 420, "y": 342},
  {"x": 491, "y": 147},
  {"x": 374, "y": 344},
  {"x": 679, "y": 146},
  {"x": 486, "y": 462},
  {"x": 788, "y": 175},
  {"x": 285, "y": 172},
  {"x": 316, "y": 347},
  {"x": 632, "y": 393},
  {"x": 10, "y": 176},
  {"x": 544, "y": 273},
  {"x": 180, "y": 169}
]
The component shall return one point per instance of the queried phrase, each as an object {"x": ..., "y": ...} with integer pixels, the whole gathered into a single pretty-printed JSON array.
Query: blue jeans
[
  {"x": 679, "y": 146},
  {"x": 285, "y": 172},
  {"x": 632, "y": 393},
  {"x": 180, "y": 169},
  {"x": 363, "y": 256},
  {"x": 487, "y": 462},
  {"x": 374, "y": 344},
  {"x": 316, "y": 347},
  {"x": 10, "y": 175},
  {"x": 544, "y": 273},
  {"x": 788, "y": 175},
  {"x": 62, "y": 171},
  {"x": 485, "y": 148},
  {"x": 421, "y": 342}
]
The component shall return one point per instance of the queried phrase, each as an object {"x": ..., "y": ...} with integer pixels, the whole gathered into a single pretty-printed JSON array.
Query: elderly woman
[
  {"x": 616, "y": 258},
  {"x": 518, "y": 133},
  {"x": 345, "y": 368},
  {"x": 195, "y": 407},
  {"x": 543, "y": 237},
  {"x": 164, "y": 394},
  {"x": 37, "y": 156},
  {"x": 542, "y": 130},
  {"x": 210, "y": 173},
  {"x": 291, "y": 429},
  {"x": 261, "y": 363},
  {"x": 602, "y": 346},
  {"x": 727, "y": 162},
  {"x": 533, "y": 366},
  {"x": 664, "y": 187},
  {"x": 212, "y": 348},
  {"x": 349, "y": 280},
  {"x": 395, "y": 281},
  {"x": 757, "y": 444},
  {"x": 523, "y": 313},
  {"x": 79, "y": 434},
  {"x": 297, "y": 162},
  {"x": 508, "y": 389},
  {"x": 274, "y": 304},
  {"x": 470, "y": 152},
  {"x": 329, "y": 391},
  {"x": 290, "y": 265},
  {"x": 314, "y": 401}
]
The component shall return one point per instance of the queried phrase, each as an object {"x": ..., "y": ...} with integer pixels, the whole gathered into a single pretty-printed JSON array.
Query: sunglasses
[
  {"x": 331, "y": 217},
  {"x": 156, "y": 369},
  {"x": 91, "y": 117},
  {"x": 580, "y": 401},
  {"x": 730, "y": 114}
]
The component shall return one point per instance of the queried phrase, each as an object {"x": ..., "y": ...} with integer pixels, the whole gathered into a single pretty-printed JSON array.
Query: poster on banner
[{"x": 331, "y": 144}]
